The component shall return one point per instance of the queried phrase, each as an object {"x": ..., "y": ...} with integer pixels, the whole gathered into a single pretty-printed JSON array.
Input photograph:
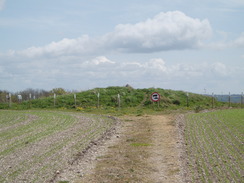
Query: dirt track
[{"x": 144, "y": 149}]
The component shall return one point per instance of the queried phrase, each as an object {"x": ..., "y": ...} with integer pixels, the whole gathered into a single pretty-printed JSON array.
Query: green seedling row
[{"x": 214, "y": 146}]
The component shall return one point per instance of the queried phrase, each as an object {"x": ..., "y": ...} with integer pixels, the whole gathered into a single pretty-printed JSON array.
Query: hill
[{"x": 114, "y": 98}]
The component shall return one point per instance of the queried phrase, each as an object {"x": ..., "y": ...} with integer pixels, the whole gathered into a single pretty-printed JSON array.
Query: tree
[
  {"x": 3, "y": 94},
  {"x": 58, "y": 91}
]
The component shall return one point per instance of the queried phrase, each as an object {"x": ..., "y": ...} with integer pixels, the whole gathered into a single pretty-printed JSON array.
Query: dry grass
[
  {"x": 145, "y": 152},
  {"x": 126, "y": 161}
]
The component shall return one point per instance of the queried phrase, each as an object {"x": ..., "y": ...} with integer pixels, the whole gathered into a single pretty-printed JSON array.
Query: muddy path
[{"x": 143, "y": 149}]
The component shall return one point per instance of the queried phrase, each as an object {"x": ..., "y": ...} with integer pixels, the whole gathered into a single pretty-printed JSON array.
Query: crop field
[
  {"x": 35, "y": 145},
  {"x": 215, "y": 146}
]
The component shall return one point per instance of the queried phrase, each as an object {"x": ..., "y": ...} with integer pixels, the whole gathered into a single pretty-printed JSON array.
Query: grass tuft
[{"x": 140, "y": 144}]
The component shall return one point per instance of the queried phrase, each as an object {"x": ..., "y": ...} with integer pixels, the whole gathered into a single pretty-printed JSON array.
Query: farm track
[
  {"x": 214, "y": 146},
  {"x": 37, "y": 144},
  {"x": 145, "y": 149}
]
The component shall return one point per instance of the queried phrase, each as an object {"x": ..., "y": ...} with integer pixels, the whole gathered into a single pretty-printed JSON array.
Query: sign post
[{"x": 155, "y": 97}]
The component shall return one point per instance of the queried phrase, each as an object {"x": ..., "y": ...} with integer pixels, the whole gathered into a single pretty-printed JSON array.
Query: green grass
[
  {"x": 35, "y": 144},
  {"x": 131, "y": 101},
  {"x": 139, "y": 144},
  {"x": 214, "y": 146}
]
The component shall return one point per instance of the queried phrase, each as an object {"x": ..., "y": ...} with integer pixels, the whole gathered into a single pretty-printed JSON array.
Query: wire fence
[{"x": 230, "y": 98}]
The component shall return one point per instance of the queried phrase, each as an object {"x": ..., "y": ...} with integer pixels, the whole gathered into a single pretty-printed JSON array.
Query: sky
[{"x": 191, "y": 45}]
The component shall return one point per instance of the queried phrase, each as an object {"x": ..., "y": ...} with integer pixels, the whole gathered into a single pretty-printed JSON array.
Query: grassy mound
[{"x": 112, "y": 98}]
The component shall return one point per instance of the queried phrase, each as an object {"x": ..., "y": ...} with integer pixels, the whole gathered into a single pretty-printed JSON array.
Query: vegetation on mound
[{"x": 122, "y": 98}]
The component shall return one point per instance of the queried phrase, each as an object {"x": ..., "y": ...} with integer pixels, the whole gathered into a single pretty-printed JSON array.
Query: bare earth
[{"x": 143, "y": 149}]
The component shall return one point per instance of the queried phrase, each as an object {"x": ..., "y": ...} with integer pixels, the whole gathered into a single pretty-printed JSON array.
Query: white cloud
[
  {"x": 81, "y": 45},
  {"x": 101, "y": 60},
  {"x": 77, "y": 72},
  {"x": 166, "y": 31},
  {"x": 220, "y": 69},
  {"x": 2, "y": 3},
  {"x": 158, "y": 67},
  {"x": 157, "y": 64}
]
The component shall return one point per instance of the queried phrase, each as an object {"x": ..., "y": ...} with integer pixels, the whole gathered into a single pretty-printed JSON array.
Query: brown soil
[
  {"x": 143, "y": 149},
  {"x": 34, "y": 151}
]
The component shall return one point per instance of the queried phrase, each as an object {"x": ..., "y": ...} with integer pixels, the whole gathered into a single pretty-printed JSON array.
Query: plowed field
[{"x": 35, "y": 146}]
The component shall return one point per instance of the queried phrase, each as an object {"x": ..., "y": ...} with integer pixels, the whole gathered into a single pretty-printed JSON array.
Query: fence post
[
  {"x": 54, "y": 99},
  {"x": 29, "y": 100},
  {"x": 75, "y": 99},
  {"x": 242, "y": 100},
  {"x": 119, "y": 100},
  {"x": 9, "y": 96},
  {"x": 19, "y": 98},
  {"x": 229, "y": 99},
  {"x": 212, "y": 100},
  {"x": 187, "y": 99},
  {"x": 98, "y": 100}
]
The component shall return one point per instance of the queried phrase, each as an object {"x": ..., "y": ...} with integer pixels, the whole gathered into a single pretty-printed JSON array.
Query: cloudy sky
[{"x": 189, "y": 45}]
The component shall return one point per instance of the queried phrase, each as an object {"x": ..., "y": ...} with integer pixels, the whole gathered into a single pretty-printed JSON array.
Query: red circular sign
[{"x": 155, "y": 97}]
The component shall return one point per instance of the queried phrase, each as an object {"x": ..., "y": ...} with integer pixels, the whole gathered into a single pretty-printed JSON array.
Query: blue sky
[{"x": 188, "y": 45}]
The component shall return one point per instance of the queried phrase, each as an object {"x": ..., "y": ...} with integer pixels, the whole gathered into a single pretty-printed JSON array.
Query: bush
[
  {"x": 198, "y": 109},
  {"x": 176, "y": 102}
]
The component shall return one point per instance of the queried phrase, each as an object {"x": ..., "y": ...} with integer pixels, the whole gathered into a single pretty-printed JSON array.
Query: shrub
[
  {"x": 198, "y": 109},
  {"x": 176, "y": 102}
]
